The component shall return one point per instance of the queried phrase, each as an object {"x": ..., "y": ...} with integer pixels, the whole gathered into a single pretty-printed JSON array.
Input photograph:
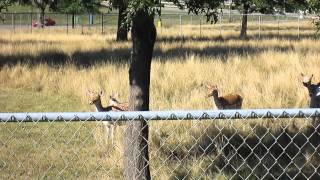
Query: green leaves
[
  {"x": 150, "y": 7},
  {"x": 4, "y": 4},
  {"x": 153, "y": 7},
  {"x": 78, "y": 6}
]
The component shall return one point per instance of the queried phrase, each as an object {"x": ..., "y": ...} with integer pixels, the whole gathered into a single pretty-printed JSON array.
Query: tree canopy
[
  {"x": 78, "y": 6},
  {"x": 4, "y": 4}
]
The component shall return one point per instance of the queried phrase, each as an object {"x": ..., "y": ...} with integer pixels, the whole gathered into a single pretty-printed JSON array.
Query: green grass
[
  {"x": 31, "y": 101},
  {"x": 66, "y": 150}
]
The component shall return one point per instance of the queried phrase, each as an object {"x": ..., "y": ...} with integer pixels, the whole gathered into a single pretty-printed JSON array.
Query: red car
[{"x": 49, "y": 22}]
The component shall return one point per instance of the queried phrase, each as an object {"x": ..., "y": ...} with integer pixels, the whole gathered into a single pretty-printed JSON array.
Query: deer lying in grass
[
  {"x": 314, "y": 94},
  {"x": 109, "y": 127},
  {"x": 229, "y": 101}
]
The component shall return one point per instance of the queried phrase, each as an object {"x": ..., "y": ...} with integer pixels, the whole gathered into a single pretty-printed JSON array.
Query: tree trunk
[
  {"x": 244, "y": 25},
  {"x": 122, "y": 32},
  {"x": 136, "y": 156}
]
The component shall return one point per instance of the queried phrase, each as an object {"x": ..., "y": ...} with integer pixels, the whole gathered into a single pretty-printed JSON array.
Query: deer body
[
  {"x": 118, "y": 106},
  {"x": 229, "y": 101},
  {"x": 314, "y": 94},
  {"x": 313, "y": 90},
  {"x": 95, "y": 99}
]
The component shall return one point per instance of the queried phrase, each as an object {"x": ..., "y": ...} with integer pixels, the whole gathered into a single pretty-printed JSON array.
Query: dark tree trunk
[
  {"x": 122, "y": 32},
  {"x": 244, "y": 25},
  {"x": 136, "y": 156},
  {"x": 73, "y": 20}
]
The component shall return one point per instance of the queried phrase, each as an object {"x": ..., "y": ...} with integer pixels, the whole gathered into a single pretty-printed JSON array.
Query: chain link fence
[
  {"x": 258, "y": 24},
  {"x": 218, "y": 144}
]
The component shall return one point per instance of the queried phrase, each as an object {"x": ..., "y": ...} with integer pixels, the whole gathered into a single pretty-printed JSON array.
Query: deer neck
[
  {"x": 217, "y": 101},
  {"x": 314, "y": 90},
  {"x": 99, "y": 107}
]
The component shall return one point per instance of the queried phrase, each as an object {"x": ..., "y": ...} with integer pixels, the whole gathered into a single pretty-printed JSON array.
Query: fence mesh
[
  {"x": 258, "y": 24},
  {"x": 251, "y": 144}
]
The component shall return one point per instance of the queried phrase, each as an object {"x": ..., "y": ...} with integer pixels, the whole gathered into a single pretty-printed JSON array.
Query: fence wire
[
  {"x": 259, "y": 25},
  {"x": 219, "y": 144}
]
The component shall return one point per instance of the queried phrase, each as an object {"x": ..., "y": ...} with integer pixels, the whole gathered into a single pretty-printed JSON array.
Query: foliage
[
  {"x": 42, "y": 4},
  {"x": 77, "y": 6},
  {"x": 314, "y": 6},
  {"x": 205, "y": 7},
  {"x": 4, "y": 4},
  {"x": 152, "y": 7},
  {"x": 292, "y": 5},
  {"x": 262, "y": 6}
]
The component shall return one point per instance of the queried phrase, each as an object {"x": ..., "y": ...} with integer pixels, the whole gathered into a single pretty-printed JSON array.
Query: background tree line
[
  {"x": 138, "y": 15},
  {"x": 245, "y": 7}
]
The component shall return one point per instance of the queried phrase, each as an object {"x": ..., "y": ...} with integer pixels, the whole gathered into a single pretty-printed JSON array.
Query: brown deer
[
  {"x": 229, "y": 101},
  {"x": 117, "y": 106},
  {"x": 313, "y": 89},
  {"x": 314, "y": 94},
  {"x": 109, "y": 126}
]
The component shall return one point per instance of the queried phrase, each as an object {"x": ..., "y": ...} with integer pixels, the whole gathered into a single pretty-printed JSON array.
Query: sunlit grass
[{"x": 41, "y": 72}]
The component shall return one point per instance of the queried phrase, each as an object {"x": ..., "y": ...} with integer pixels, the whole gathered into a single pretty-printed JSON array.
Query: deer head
[
  {"x": 306, "y": 79},
  {"x": 94, "y": 96},
  {"x": 212, "y": 90}
]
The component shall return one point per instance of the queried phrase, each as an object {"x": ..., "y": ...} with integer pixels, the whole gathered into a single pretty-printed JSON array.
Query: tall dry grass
[{"x": 58, "y": 70}]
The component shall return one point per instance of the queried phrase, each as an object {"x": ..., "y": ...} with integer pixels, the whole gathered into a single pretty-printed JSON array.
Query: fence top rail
[{"x": 159, "y": 115}]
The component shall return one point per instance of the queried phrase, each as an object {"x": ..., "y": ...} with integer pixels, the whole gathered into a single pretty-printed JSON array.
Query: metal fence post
[
  {"x": 31, "y": 22},
  {"x": 180, "y": 25},
  {"x": 220, "y": 22},
  {"x": 81, "y": 24},
  {"x": 298, "y": 27},
  {"x": 67, "y": 23},
  {"x": 102, "y": 30},
  {"x": 200, "y": 24},
  {"x": 13, "y": 22},
  {"x": 259, "y": 26},
  {"x": 191, "y": 19},
  {"x": 278, "y": 25},
  {"x": 20, "y": 21}
]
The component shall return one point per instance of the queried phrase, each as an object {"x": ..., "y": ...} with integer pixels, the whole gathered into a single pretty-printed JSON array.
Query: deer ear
[
  {"x": 88, "y": 92},
  {"x": 101, "y": 93}
]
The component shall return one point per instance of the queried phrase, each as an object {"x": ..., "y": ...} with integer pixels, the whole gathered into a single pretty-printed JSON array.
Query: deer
[
  {"x": 314, "y": 94},
  {"x": 95, "y": 99},
  {"x": 118, "y": 106},
  {"x": 313, "y": 89},
  {"x": 229, "y": 101}
]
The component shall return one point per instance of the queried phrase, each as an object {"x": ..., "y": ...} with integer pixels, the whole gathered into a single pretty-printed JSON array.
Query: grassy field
[{"x": 42, "y": 72}]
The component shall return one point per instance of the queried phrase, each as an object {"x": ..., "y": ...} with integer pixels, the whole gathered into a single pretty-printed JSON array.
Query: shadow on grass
[
  {"x": 275, "y": 35},
  {"x": 287, "y": 153},
  {"x": 83, "y": 59}
]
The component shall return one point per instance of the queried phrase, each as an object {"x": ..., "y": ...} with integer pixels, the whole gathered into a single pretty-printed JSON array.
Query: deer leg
[
  {"x": 111, "y": 132},
  {"x": 106, "y": 127}
]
